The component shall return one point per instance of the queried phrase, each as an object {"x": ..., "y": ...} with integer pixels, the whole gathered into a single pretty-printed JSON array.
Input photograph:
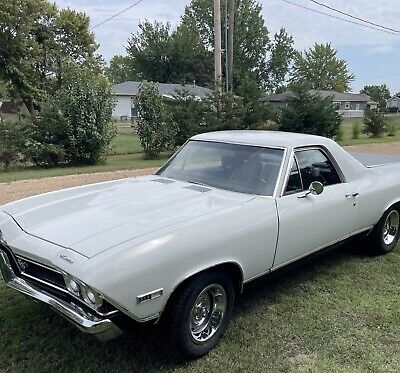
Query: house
[
  {"x": 13, "y": 110},
  {"x": 127, "y": 91},
  {"x": 393, "y": 104},
  {"x": 348, "y": 104}
]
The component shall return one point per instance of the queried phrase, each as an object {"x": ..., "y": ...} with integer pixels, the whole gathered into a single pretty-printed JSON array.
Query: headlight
[
  {"x": 72, "y": 286},
  {"x": 91, "y": 297}
]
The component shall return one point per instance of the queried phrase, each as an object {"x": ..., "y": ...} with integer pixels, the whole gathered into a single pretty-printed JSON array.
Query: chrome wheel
[
  {"x": 207, "y": 313},
  {"x": 391, "y": 227}
]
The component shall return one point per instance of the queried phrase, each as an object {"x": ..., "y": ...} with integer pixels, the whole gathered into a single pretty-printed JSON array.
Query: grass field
[
  {"x": 336, "y": 313},
  {"x": 347, "y": 127},
  {"x": 126, "y": 155}
]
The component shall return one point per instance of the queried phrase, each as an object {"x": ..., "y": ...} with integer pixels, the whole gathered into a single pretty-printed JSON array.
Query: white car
[{"x": 179, "y": 245}]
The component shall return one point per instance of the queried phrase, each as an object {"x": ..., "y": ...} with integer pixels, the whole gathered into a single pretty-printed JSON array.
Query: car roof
[{"x": 263, "y": 138}]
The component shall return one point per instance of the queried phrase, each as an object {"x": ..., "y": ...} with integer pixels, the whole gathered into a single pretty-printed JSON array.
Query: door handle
[{"x": 352, "y": 195}]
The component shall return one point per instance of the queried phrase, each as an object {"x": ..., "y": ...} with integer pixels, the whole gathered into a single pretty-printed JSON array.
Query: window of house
[{"x": 347, "y": 105}]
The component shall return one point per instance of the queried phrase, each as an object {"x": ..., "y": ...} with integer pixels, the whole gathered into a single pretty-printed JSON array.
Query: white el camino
[{"x": 179, "y": 245}]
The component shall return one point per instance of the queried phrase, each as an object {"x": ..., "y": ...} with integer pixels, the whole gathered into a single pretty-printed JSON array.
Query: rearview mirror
[{"x": 316, "y": 188}]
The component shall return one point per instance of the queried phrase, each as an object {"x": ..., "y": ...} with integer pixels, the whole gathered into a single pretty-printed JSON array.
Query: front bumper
[{"x": 103, "y": 329}]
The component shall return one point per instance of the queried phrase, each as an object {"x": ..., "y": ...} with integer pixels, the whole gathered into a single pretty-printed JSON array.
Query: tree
[
  {"x": 12, "y": 142},
  {"x": 159, "y": 54},
  {"x": 278, "y": 65},
  {"x": 251, "y": 35},
  {"x": 154, "y": 127},
  {"x": 121, "y": 69},
  {"x": 378, "y": 93},
  {"x": 35, "y": 39},
  {"x": 320, "y": 68},
  {"x": 310, "y": 114},
  {"x": 3, "y": 90},
  {"x": 75, "y": 125},
  {"x": 375, "y": 123}
]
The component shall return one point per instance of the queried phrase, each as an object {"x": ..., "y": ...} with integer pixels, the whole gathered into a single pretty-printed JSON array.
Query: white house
[
  {"x": 127, "y": 91},
  {"x": 393, "y": 104}
]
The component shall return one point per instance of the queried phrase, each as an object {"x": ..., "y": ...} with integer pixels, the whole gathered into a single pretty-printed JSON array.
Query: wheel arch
[{"x": 233, "y": 269}]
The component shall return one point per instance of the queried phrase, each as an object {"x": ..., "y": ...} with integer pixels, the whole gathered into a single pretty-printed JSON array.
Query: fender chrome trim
[{"x": 103, "y": 329}]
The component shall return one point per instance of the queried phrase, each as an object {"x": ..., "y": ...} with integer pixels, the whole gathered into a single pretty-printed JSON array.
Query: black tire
[
  {"x": 376, "y": 239},
  {"x": 177, "y": 323}
]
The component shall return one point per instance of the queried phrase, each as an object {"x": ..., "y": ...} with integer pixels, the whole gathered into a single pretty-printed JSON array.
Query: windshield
[{"x": 238, "y": 168}]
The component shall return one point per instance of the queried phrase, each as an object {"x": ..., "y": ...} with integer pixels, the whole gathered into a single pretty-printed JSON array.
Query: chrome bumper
[{"x": 103, "y": 329}]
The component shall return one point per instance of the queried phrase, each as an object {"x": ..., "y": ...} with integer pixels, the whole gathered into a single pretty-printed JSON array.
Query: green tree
[
  {"x": 121, "y": 69},
  {"x": 310, "y": 114},
  {"x": 278, "y": 65},
  {"x": 378, "y": 93},
  {"x": 320, "y": 68},
  {"x": 155, "y": 126},
  {"x": 375, "y": 123},
  {"x": 251, "y": 35},
  {"x": 12, "y": 142},
  {"x": 35, "y": 39},
  {"x": 75, "y": 125},
  {"x": 3, "y": 91}
]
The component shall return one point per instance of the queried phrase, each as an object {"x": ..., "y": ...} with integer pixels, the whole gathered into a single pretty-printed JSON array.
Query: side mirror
[{"x": 316, "y": 188}]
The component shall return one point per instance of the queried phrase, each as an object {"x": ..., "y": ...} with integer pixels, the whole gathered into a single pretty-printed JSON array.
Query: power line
[
  {"x": 116, "y": 15},
  {"x": 339, "y": 18},
  {"x": 354, "y": 17}
]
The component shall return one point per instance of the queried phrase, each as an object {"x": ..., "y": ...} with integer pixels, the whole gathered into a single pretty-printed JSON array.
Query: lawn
[
  {"x": 126, "y": 154},
  {"x": 347, "y": 126},
  {"x": 336, "y": 313}
]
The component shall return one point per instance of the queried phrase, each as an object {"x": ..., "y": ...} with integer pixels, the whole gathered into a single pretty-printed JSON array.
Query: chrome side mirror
[{"x": 316, "y": 188}]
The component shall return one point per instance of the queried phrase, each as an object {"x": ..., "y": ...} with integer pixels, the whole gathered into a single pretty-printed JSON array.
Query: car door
[{"x": 310, "y": 222}]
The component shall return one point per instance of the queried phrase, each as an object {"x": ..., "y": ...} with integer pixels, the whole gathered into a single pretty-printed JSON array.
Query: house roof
[
  {"x": 130, "y": 88},
  {"x": 10, "y": 107},
  {"x": 336, "y": 96}
]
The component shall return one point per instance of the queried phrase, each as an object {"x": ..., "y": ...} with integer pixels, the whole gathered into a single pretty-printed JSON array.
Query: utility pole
[
  {"x": 231, "y": 32},
  {"x": 226, "y": 47},
  {"x": 217, "y": 44}
]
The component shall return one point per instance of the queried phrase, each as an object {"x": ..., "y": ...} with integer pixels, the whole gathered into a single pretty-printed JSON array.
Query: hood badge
[{"x": 66, "y": 258}]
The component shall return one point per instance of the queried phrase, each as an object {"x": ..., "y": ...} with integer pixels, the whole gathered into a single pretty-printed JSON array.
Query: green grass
[
  {"x": 336, "y": 313},
  {"x": 125, "y": 155},
  {"x": 347, "y": 127}
]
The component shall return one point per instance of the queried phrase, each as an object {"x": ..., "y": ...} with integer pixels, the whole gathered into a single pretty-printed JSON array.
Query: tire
[
  {"x": 184, "y": 322},
  {"x": 385, "y": 235}
]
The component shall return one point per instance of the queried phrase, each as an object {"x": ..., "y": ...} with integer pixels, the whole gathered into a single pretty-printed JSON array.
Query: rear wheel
[
  {"x": 386, "y": 234},
  {"x": 199, "y": 314}
]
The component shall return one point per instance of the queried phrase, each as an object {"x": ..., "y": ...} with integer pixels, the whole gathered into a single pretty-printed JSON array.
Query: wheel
[
  {"x": 199, "y": 314},
  {"x": 386, "y": 234}
]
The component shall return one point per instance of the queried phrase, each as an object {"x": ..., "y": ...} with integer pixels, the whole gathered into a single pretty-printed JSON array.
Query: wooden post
[
  {"x": 231, "y": 32},
  {"x": 217, "y": 44}
]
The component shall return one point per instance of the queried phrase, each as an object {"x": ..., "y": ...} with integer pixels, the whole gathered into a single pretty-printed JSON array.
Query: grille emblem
[
  {"x": 22, "y": 264},
  {"x": 66, "y": 258}
]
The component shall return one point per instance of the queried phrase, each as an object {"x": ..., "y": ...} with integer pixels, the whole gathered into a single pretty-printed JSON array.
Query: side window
[
  {"x": 294, "y": 184},
  {"x": 315, "y": 166}
]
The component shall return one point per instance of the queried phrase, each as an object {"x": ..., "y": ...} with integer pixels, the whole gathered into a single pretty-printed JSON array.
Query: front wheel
[
  {"x": 200, "y": 314},
  {"x": 386, "y": 234}
]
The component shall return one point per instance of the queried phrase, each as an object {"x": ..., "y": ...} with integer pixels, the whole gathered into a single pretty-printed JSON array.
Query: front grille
[{"x": 40, "y": 272}]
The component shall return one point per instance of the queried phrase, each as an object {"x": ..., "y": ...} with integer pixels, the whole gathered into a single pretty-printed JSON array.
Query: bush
[
  {"x": 12, "y": 142},
  {"x": 310, "y": 114},
  {"x": 374, "y": 123},
  {"x": 391, "y": 129},
  {"x": 339, "y": 134},
  {"x": 155, "y": 127},
  {"x": 356, "y": 130}
]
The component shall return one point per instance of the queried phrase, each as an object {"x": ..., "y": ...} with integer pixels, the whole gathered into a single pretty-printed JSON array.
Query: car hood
[{"x": 97, "y": 217}]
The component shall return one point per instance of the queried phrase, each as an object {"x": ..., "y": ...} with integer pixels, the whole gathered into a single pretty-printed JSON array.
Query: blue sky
[{"x": 371, "y": 55}]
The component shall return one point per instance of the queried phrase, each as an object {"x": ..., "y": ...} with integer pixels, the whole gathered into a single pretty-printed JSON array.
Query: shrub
[
  {"x": 374, "y": 123},
  {"x": 310, "y": 114},
  {"x": 12, "y": 142},
  {"x": 391, "y": 129},
  {"x": 356, "y": 130},
  {"x": 155, "y": 127},
  {"x": 339, "y": 134}
]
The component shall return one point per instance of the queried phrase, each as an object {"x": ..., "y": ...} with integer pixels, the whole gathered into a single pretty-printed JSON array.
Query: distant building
[
  {"x": 348, "y": 104},
  {"x": 13, "y": 110},
  {"x": 127, "y": 91},
  {"x": 393, "y": 104}
]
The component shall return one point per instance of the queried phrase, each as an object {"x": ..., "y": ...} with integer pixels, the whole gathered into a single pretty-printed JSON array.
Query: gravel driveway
[{"x": 25, "y": 188}]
